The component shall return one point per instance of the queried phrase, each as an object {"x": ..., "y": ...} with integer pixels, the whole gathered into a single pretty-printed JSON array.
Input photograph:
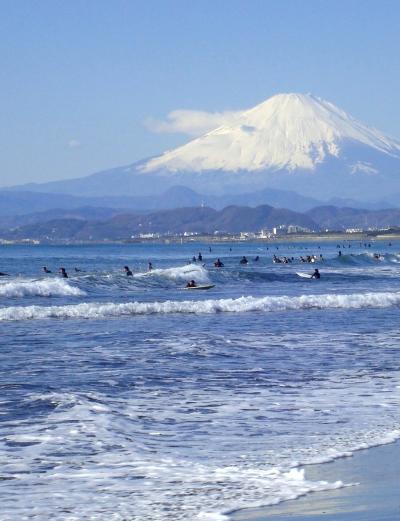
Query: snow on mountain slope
[{"x": 286, "y": 132}]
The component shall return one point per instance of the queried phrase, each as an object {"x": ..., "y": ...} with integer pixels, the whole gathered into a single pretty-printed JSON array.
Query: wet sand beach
[{"x": 374, "y": 497}]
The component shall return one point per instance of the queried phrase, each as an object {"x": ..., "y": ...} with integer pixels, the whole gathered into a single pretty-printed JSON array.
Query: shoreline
[
  {"x": 375, "y": 495},
  {"x": 220, "y": 240}
]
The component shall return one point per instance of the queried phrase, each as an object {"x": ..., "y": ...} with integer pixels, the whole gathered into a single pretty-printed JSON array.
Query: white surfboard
[
  {"x": 205, "y": 286},
  {"x": 304, "y": 275}
]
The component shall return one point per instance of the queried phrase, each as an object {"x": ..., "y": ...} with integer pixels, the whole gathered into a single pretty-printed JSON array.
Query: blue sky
[{"x": 82, "y": 82}]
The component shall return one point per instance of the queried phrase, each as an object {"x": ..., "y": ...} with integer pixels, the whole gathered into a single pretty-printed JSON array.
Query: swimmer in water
[
  {"x": 64, "y": 274},
  {"x": 128, "y": 271},
  {"x": 46, "y": 269}
]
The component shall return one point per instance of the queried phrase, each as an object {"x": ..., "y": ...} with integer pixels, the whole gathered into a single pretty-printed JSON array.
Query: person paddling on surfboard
[
  {"x": 316, "y": 274},
  {"x": 128, "y": 271}
]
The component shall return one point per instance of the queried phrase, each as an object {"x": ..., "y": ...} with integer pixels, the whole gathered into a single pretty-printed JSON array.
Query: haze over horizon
[{"x": 89, "y": 87}]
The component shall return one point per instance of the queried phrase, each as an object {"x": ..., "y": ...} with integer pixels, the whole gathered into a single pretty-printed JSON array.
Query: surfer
[
  {"x": 128, "y": 271},
  {"x": 243, "y": 260},
  {"x": 218, "y": 263},
  {"x": 199, "y": 257},
  {"x": 257, "y": 258},
  {"x": 64, "y": 274},
  {"x": 191, "y": 284},
  {"x": 46, "y": 269},
  {"x": 150, "y": 267},
  {"x": 316, "y": 274}
]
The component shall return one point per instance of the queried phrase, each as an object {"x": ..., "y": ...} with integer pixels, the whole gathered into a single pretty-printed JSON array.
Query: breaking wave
[
  {"x": 364, "y": 259},
  {"x": 239, "y": 305},
  {"x": 39, "y": 288},
  {"x": 179, "y": 274}
]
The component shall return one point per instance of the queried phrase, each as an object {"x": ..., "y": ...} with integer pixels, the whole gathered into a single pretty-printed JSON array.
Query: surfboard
[
  {"x": 204, "y": 286},
  {"x": 304, "y": 275}
]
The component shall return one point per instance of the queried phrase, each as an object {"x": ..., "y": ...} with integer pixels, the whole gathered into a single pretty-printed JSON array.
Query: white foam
[
  {"x": 39, "y": 288},
  {"x": 171, "y": 483},
  {"x": 239, "y": 305},
  {"x": 179, "y": 274}
]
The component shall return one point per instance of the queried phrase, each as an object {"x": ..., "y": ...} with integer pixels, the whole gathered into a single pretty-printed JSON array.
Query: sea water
[{"x": 132, "y": 398}]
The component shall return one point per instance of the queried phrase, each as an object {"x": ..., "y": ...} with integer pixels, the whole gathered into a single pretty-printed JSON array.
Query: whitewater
[{"x": 131, "y": 398}]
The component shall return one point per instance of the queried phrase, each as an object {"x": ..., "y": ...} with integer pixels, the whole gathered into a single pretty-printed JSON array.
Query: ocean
[{"x": 134, "y": 399}]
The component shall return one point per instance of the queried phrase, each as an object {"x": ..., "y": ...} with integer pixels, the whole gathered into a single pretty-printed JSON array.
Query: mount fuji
[
  {"x": 291, "y": 142},
  {"x": 287, "y": 132}
]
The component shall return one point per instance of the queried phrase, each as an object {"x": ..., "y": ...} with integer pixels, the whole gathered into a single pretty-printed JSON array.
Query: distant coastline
[{"x": 220, "y": 239}]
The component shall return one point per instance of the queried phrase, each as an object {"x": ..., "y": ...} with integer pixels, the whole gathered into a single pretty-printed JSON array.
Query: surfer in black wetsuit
[
  {"x": 257, "y": 258},
  {"x": 150, "y": 266},
  {"x": 243, "y": 260},
  {"x": 46, "y": 269},
  {"x": 128, "y": 271},
  {"x": 191, "y": 284},
  {"x": 64, "y": 274},
  {"x": 199, "y": 257},
  {"x": 316, "y": 274},
  {"x": 218, "y": 263}
]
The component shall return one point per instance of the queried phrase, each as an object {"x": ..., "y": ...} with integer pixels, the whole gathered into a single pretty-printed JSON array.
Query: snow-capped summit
[{"x": 286, "y": 132}]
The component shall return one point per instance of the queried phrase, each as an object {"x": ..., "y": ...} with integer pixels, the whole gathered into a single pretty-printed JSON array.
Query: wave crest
[
  {"x": 179, "y": 274},
  {"x": 239, "y": 305},
  {"x": 39, "y": 288}
]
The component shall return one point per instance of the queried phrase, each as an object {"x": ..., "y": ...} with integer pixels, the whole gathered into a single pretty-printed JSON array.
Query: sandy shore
[{"x": 376, "y": 497}]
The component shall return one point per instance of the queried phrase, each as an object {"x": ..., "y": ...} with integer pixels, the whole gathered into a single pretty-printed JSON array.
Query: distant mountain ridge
[
  {"x": 232, "y": 219},
  {"x": 332, "y": 217},
  {"x": 22, "y": 207},
  {"x": 24, "y": 202}
]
